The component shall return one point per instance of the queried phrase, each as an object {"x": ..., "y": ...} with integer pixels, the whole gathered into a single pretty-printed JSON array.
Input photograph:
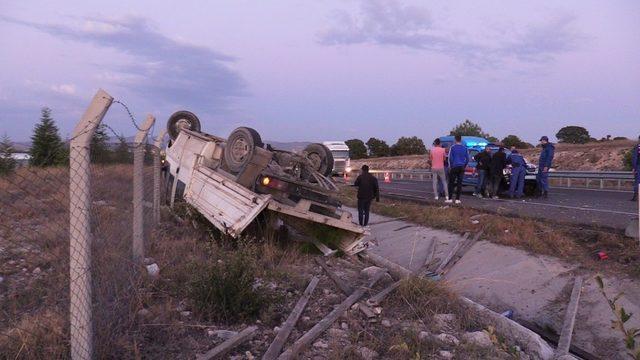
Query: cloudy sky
[{"x": 319, "y": 70}]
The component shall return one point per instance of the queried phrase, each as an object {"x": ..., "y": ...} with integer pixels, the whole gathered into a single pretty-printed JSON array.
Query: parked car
[{"x": 476, "y": 144}]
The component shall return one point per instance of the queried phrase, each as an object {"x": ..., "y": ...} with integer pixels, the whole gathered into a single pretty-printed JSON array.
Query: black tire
[
  {"x": 240, "y": 148},
  {"x": 321, "y": 158},
  {"x": 182, "y": 120}
]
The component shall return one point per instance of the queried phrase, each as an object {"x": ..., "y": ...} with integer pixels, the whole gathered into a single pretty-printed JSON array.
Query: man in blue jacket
[
  {"x": 635, "y": 165},
  {"x": 458, "y": 160},
  {"x": 518, "y": 171},
  {"x": 544, "y": 164}
]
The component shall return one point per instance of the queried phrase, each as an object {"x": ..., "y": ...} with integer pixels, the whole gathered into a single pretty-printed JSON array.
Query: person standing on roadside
[
  {"x": 483, "y": 160},
  {"x": 544, "y": 165},
  {"x": 518, "y": 171},
  {"x": 437, "y": 155},
  {"x": 368, "y": 190},
  {"x": 635, "y": 165},
  {"x": 496, "y": 171},
  {"x": 458, "y": 160}
]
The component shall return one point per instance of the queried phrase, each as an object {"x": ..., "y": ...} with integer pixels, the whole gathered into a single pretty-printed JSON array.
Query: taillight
[
  {"x": 470, "y": 170},
  {"x": 273, "y": 183}
]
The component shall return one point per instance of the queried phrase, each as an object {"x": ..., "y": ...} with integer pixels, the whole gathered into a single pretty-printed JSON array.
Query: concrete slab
[{"x": 536, "y": 287}]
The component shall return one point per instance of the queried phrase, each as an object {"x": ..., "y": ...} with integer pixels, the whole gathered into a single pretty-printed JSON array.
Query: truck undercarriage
[{"x": 231, "y": 181}]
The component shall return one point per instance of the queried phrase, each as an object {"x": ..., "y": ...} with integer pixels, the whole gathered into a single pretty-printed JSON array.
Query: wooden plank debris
[
  {"x": 278, "y": 343},
  {"x": 343, "y": 286},
  {"x": 569, "y": 319},
  {"x": 451, "y": 253},
  {"x": 462, "y": 251},
  {"x": 376, "y": 299},
  {"x": 306, "y": 339},
  {"x": 396, "y": 270},
  {"x": 229, "y": 345},
  {"x": 552, "y": 338}
]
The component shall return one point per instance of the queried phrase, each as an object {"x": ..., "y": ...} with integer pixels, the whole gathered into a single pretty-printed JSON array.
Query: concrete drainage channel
[{"x": 495, "y": 279}]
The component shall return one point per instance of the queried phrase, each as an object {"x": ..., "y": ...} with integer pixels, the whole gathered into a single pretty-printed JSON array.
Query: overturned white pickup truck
[{"x": 231, "y": 181}]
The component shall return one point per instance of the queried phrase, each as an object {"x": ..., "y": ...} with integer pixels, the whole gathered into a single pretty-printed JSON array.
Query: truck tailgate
[{"x": 229, "y": 206}]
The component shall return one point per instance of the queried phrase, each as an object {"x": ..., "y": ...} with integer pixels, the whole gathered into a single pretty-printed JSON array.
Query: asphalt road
[{"x": 600, "y": 208}]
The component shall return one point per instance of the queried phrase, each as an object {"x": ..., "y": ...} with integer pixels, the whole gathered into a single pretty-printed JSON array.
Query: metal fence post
[
  {"x": 156, "y": 176},
  {"x": 80, "y": 315},
  {"x": 139, "y": 144}
]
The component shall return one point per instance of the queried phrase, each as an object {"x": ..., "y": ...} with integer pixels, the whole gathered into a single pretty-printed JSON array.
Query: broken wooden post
[
  {"x": 326, "y": 322},
  {"x": 228, "y": 345},
  {"x": 569, "y": 319},
  {"x": 283, "y": 334},
  {"x": 431, "y": 252}
]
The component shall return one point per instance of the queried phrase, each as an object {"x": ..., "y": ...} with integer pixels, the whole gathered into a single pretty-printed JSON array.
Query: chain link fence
[{"x": 72, "y": 241}]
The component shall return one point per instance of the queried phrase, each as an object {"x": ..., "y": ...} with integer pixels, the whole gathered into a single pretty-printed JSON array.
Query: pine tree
[
  {"x": 7, "y": 162},
  {"x": 100, "y": 145},
  {"x": 47, "y": 148}
]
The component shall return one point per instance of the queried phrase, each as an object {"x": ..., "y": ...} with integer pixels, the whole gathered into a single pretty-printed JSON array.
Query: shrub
[{"x": 224, "y": 290}]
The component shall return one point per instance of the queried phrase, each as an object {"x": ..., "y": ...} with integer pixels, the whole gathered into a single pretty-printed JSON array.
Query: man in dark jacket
[
  {"x": 544, "y": 164},
  {"x": 518, "y": 172},
  {"x": 496, "y": 171},
  {"x": 367, "y": 191},
  {"x": 635, "y": 165},
  {"x": 458, "y": 160},
  {"x": 483, "y": 160}
]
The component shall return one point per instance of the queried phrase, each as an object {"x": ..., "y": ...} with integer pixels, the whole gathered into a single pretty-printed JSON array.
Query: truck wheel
[
  {"x": 182, "y": 120},
  {"x": 321, "y": 158},
  {"x": 240, "y": 148}
]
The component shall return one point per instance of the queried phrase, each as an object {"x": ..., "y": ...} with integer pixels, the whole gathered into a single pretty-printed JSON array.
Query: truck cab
[{"x": 341, "y": 160}]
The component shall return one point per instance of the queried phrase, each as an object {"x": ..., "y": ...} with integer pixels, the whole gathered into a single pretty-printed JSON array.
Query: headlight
[
  {"x": 266, "y": 181},
  {"x": 348, "y": 169}
]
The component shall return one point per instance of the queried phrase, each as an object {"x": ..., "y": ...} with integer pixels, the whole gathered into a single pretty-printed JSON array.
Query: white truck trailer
[
  {"x": 231, "y": 181},
  {"x": 340, "y": 152}
]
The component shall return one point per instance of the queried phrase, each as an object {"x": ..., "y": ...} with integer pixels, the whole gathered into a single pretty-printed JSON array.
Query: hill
[{"x": 600, "y": 156}]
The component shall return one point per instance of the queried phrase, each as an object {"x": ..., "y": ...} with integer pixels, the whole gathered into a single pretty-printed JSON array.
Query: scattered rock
[
  {"x": 24, "y": 269},
  {"x": 276, "y": 329},
  {"x": 36, "y": 271},
  {"x": 185, "y": 313},
  {"x": 337, "y": 333},
  {"x": 326, "y": 291},
  {"x": 444, "y": 322},
  {"x": 249, "y": 355},
  {"x": 211, "y": 332},
  {"x": 149, "y": 260},
  {"x": 385, "y": 323},
  {"x": 367, "y": 354},
  {"x": 448, "y": 339},
  {"x": 478, "y": 338},
  {"x": 443, "y": 354},
  {"x": 475, "y": 222},
  {"x": 1, "y": 279},
  {"x": 153, "y": 270},
  {"x": 225, "y": 334},
  {"x": 320, "y": 344},
  {"x": 343, "y": 325},
  {"x": 424, "y": 335},
  {"x": 370, "y": 272},
  {"x": 355, "y": 306},
  {"x": 143, "y": 313}
]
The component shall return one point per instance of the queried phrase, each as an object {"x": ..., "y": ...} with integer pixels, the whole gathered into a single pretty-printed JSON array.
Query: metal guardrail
[{"x": 620, "y": 180}]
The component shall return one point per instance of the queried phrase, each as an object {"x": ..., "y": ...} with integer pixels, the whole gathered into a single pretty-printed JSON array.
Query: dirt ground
[
  {"x": 187, "y": 308},
  {"x": 601, "y": 156}
]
